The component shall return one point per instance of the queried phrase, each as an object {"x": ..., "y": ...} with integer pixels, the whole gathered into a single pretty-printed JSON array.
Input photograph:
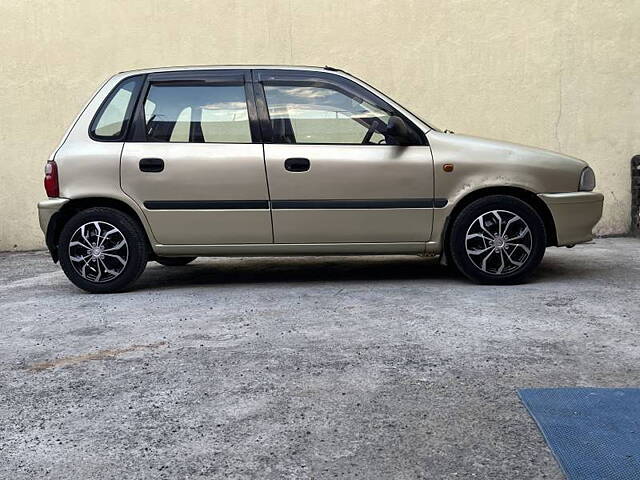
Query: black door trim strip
[
  {"x": 295, "y": 204},
  {"x": 359, "y": 204},
  {"x": 207, "y": 205}
]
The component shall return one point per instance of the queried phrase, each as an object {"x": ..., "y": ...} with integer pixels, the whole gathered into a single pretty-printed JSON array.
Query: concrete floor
[{"x": 304, "y": 368}]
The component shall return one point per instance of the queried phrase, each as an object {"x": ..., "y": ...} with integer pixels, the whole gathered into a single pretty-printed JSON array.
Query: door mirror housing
[{"x": 397, "y": 128}]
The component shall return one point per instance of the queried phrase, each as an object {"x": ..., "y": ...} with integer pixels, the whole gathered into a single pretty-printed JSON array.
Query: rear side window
[
  {"x": 197, "y": 114},
  {"x": 112, "y": 119}
]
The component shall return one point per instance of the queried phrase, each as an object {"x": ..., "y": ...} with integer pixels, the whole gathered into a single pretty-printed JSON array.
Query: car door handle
[
  {"x": 297, "y": 164},
  {"x": 151, "y": 165}
]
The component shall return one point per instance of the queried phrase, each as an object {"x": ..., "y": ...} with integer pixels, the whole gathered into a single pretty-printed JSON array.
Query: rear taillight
[{"x": 51, "y": 179}]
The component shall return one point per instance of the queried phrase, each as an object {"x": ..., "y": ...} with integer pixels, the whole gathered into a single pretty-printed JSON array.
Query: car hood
[
  {"x": 480, "y": 162},
  {"x": 509, "y": 151}
]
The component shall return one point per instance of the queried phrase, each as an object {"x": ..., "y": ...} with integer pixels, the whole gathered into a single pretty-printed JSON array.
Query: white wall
[{"x": 557, "y": 74}]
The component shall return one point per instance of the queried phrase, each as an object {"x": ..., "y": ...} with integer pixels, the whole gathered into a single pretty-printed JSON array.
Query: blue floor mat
[{"x": 594, "y": 433}]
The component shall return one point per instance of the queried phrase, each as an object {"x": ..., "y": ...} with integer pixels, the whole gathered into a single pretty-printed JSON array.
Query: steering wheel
[{"x": 372, "y": 129}]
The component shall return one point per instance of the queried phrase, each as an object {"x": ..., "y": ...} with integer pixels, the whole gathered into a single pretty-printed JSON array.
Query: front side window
[
  {"x": 111, "y": 121},
  {"x": 310, "y": 113},
  {"x": 197, "y": 114}
]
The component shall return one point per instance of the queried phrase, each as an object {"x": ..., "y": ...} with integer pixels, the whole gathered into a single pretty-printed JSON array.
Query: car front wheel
[
  {"x": 102, "y": 250},
  {"x": 497, "y": 239}
]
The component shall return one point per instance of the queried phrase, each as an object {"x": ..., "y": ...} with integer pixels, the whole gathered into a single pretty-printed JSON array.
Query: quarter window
[
  {"x": 307, "y": 113},
  {"x": 197, "y": 113},
  {"x": 113, "y": 117}
]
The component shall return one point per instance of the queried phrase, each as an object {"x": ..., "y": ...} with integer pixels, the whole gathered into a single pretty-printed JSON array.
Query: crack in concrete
[{"x": 559, "y": 117}]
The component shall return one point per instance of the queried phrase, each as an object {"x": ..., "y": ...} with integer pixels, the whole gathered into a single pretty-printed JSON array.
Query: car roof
[{"x": 307, "y": 68}]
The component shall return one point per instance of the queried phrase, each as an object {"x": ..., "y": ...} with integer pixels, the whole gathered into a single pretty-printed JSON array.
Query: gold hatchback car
[{"x": 173, "y": 163}]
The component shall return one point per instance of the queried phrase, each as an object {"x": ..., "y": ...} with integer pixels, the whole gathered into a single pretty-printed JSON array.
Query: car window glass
[
  {"x": 180, "y": 131},
  {"x": 111, "y": 119},
  {"x": 149, "y": 108},
  {"x": 197, "y": 113},
  {"x": 317, "y": 114}
]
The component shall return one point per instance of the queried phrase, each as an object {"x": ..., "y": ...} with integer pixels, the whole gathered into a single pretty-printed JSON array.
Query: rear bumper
[
  {"x": 574, "y": 214},
  {"x": 48, "y": 215},
  {"x": 46, "y": 210}
]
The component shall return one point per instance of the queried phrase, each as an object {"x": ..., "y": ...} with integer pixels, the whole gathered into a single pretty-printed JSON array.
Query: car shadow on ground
[
  {"x": 293, "y": 270},
  {"x": 272, "y": 270}
]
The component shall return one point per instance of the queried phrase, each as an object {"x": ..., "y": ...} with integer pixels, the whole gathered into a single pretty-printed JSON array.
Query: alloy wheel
[
  {"x": 498, "y": 242},
  {"x": 98, "y": 251}
]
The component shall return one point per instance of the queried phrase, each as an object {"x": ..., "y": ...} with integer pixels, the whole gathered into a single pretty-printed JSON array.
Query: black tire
[
  {"x": 501, "y": 251},
  {"x": 174, "y": 261},
  {"x": 135, "y": 248}
]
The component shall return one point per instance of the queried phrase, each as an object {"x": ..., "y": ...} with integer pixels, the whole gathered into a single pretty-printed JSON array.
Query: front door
[
  {"x": 194, "y": 163},
  {"x": 334, "y": 174}
]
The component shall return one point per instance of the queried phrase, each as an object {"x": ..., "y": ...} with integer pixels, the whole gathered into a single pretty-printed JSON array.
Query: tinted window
[
  {"x": 111, "y": 121},
  {"x": 317, "y": 114},
  {"x": 197, "y": 113}
]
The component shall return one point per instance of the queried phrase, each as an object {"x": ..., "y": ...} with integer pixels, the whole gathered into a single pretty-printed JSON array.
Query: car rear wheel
[
  {"x": 102, "y": 250},
  {"x": 174, "y": 261},
  {"x": 497, "y": 239}
]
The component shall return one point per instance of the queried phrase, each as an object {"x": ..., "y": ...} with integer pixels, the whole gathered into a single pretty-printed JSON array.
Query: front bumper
[{"x": 574, "y": 214}]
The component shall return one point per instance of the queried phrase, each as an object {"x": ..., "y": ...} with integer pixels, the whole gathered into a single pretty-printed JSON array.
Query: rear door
[
  {"x": 194, "y": 161},
  {"x": 334, "y": 175}
]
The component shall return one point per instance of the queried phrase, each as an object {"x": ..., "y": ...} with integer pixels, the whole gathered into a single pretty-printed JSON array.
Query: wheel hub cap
[
  {"x": 98, "y": 251},
  {"x": 499, "y": 242}
]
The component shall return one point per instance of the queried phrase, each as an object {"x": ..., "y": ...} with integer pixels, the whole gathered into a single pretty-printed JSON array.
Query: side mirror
[{"x": 397, "y": 129}]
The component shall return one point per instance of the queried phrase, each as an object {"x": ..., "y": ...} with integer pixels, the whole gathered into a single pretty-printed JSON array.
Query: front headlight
[{"x": 587, "y": 180}]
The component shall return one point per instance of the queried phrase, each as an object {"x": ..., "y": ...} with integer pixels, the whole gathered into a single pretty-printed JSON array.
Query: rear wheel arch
[
  {"x": 520, "y": 193},
  {"x": 103, "y": 250},
  {"x": 75, "y": 206}
]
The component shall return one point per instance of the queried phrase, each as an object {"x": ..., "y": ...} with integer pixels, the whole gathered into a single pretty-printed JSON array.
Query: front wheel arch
[
  {"x": 520, "y": 193},
  {"x": 487, "y": 254}
]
